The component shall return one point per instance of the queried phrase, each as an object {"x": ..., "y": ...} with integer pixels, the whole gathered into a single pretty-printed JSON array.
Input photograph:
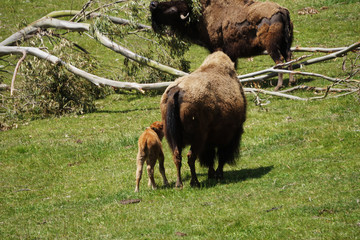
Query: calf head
[
  {"x": 174, "y": 13},
  {"x": 158, "y": 128}
]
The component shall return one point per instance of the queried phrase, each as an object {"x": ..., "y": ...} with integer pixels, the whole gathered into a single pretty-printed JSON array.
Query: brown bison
[
  {"x": 205, "y": 110},
  {"x": 150, "y": 149},
  {"x": 239, "y": 28}
]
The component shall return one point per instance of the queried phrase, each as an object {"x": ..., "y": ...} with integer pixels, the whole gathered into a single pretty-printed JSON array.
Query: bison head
[{"x": 174, "y": 14}]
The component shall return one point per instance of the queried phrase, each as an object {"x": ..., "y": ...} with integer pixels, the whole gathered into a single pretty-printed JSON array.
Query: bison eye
[{"x": 153, "y": 5}]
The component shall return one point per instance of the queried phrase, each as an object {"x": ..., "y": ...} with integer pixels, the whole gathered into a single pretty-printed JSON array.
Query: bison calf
[{"x": 150, "y": 149}]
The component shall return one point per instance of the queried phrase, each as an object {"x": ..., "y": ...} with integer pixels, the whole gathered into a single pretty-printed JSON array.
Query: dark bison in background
[
  {"x": 205, "y": 110},
  {"x": 239, "y": 28}
]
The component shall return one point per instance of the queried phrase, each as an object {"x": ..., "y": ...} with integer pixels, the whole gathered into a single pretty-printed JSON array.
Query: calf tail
[{"x": 173, "y": 126}]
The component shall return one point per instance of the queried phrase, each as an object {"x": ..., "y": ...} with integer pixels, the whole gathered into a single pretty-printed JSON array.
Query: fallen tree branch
[
  {"x": 133, "y": 56},
  {"x": 15, "y": 73},
  {"x": 277, "y": 94},
  {"x": 62, "y": 24},
  {"x": 318, "y": 49},
  {"x": 273, "y": 72},
  {"x": 45, "y": 22},
  {"x": 284, "y": 95},
  {"x": 5, "y": 50},
  {"x": 317, "y": 89}
]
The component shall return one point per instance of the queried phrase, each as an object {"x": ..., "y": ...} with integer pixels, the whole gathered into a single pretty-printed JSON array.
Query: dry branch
[
  {"x": 5, "y": 50},
  {"x": 15, "y": 73},
  {"x": 133, "y": 56},
  {"x": 62, "y": 24},
  {"x": 316, "y": 89},
  {"x": 273, "y": 72},
  {"x": 50, "y": 21}
]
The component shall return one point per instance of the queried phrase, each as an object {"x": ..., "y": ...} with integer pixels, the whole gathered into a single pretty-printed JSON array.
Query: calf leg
[
  {"x": 191, "y": 161},
  {"x": 150, "y": 170},
  {"x": 162, "y": 168},
  {"x": 140, "y": 159}
]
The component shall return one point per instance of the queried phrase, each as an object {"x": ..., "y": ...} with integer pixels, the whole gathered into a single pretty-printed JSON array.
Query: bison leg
[
  {"x": 280, "y": 78},
  {"x": 191, "y": 161},
  {"x": 177, "y": 161},
  {"x": 162, "y": 168},
  {"x": 140, "y": 159}
]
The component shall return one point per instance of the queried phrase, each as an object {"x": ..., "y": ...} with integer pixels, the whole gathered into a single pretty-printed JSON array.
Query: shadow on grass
[{"x": 233, "y": 176}]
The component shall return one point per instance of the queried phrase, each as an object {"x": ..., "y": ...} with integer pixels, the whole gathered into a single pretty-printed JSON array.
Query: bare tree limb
[
  {"x": 133, "y": 56},
  {"x": 307, "y": 88},
  {"x": 50, "y": 21},
  {"x": 5, "y": 50},
  {"x": 62, "y": 24},
  {"x": 277, "y": 94},
  {"x": 44, "y": 23},
  {"x": 250, "y": 77},
  {"x": 318, "y": 49},
  {"x": 15, "y": 73}
]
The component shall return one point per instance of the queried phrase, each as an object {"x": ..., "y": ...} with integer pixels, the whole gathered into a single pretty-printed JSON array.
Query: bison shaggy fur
[
  {"x": 205, "y": 110},
  {"x": 239, "y": 28}
]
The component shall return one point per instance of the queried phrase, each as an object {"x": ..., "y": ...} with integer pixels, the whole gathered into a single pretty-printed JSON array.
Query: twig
[
  {"x": 278, "y": 94},
  {"x": 105, "y": 5},
  {"x": 15, "y": 73},
  {"x": 86, "y": 5}
]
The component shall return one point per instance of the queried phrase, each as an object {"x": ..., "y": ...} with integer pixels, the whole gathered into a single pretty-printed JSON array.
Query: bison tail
[
  {"x": 173, "y": 126},
  {"x": 289, "y": 35}
]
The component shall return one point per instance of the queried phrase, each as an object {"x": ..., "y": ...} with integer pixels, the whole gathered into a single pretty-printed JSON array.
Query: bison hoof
[
  {"x": 277, "y": 88},
  {"x": 179, "y": 185},
  {"x": 219, "y": 175},
  {"x": 211, "y": 173},
  {"x": 194, "y": 183}
]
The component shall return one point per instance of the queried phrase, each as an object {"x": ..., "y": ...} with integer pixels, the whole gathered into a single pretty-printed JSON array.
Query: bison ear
[{"x": 171, "y": 11}]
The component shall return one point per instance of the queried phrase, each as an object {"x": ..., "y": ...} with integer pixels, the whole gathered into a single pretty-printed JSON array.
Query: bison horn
[{"x": 183, "y": 17}]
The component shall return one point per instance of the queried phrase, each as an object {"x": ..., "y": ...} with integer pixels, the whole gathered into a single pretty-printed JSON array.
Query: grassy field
[{"x": 298, "y": 176}]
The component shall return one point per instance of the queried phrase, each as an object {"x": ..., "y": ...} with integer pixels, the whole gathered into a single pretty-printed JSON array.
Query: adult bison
[
  {"x": 239, "y": 28},
  {"x": 205, "y": 110}
]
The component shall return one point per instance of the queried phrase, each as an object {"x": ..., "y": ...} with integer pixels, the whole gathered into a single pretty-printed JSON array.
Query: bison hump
[{"x": 259, "y": 10}]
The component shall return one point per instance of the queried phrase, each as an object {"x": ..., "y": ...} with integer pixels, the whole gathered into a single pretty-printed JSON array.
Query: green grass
[{"x": 298, "y": 176}]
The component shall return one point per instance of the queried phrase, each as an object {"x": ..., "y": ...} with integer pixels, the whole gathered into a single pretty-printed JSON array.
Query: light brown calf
[{"x": 150, "y": 149}]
